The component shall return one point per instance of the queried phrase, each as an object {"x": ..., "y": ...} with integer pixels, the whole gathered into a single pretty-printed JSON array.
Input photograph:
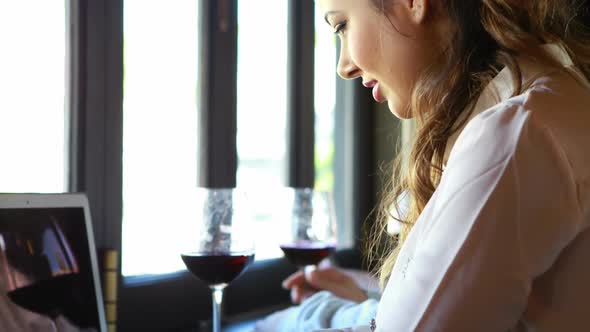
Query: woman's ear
[
  {"x": 420, "y": 9},
  {"x": 415, "y": 10}
]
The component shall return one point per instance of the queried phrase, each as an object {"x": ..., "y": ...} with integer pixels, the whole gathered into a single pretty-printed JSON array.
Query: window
[
  {"x": 325, "y": 102},
  {"x": 159, "y": 133},
  {"x": 262, "y": 112},
  {"x": 262, "y": 94},
  {"x": 32, "y": 108}
]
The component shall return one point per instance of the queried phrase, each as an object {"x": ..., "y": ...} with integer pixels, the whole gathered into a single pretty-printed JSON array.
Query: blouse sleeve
[
  {"x": 322, "y": 310},
  {"x": 505, "y": 208}
]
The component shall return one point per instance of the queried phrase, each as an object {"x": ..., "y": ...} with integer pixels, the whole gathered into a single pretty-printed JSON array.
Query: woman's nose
[{"x": 347, "y": 69}]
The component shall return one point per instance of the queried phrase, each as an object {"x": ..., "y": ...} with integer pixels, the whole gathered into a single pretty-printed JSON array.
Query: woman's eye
[{"x": 339, "y": 28}]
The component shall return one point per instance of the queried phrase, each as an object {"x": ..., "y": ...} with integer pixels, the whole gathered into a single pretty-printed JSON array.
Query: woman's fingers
[
  {"x": 320, "y": 279},
  {"x": 300, "y": 288},
  {"x": 325, "y": 279},
  {"x": 337, "y": 282},
  {"x": 295, "y": 295},
  {"x": 300, "y": 292},
  {"x": 294, "y": 279},
  {"x": 303, "y": 285}
]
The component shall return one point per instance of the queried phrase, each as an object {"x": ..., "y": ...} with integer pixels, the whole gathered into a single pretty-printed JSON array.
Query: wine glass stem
[{"x": 217, "y": 299}]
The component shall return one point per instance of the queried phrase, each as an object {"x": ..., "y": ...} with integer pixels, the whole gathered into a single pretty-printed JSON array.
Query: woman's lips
[{"x": 377, "y": 95}]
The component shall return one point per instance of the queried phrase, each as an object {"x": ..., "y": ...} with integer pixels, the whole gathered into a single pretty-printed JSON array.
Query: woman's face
[{"x": 386, "y": 49}]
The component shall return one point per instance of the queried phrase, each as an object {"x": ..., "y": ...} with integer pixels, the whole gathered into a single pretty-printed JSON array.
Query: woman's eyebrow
[{"x": 332, "y": 12}]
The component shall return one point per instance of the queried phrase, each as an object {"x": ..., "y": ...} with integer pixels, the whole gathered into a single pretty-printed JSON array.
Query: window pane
[
  {"x": 32, "y": 110},
  {"x": 160, "y": 133},
  {"x": 325, "y": 102},
  {"x": 262, "y": 96}
]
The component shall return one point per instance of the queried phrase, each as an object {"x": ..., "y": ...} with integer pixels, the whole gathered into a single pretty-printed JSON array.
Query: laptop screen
[{"x": 48, "y": 271}]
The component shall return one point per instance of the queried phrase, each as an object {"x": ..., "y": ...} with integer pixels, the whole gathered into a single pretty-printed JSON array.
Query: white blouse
[{"x": 504, "y": 242}]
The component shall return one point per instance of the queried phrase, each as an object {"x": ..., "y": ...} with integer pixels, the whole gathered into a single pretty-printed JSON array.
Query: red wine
[
  {"x": 217, "y": 269},
  {"x": 307, "y": 252}
]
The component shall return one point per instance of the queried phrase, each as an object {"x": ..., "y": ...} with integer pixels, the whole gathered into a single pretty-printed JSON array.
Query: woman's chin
[{"x": 402, "y": 112}]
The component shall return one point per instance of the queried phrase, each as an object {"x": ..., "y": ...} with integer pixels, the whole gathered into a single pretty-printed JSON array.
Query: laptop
[{"x": 48, "y": 264}]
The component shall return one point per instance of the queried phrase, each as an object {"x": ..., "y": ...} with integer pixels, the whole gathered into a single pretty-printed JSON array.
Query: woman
[{"x": 496, "y": 237}]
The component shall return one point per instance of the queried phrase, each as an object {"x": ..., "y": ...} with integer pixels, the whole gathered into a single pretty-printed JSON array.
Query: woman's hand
[{"x": 336, "y": 281}]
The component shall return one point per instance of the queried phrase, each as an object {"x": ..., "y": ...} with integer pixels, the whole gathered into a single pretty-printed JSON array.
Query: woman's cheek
[{"x": 364, "y": 52}]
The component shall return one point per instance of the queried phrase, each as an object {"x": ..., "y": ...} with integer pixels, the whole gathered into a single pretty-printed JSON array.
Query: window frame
[
  {"x": 96, "y": 113},
  {"x": 300, "y": 95},
  {"x": 218, "y": 54},
  {"x": 96, "y": 139}
]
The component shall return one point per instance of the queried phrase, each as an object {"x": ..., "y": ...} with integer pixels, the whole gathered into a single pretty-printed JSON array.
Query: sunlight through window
[
  {"x": 32, "y": 107},
  {"x": 159, "y": 133}
]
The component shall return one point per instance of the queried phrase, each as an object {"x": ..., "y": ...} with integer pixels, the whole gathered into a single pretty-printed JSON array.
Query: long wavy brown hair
[{"x": 488, "y": 35}]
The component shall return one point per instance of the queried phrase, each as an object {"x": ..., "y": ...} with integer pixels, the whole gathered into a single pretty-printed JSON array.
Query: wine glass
[
  {"x": 312, "y": 235},
  {"x": 39, "y": 269},
  {"x": 224, "y": 248}
]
